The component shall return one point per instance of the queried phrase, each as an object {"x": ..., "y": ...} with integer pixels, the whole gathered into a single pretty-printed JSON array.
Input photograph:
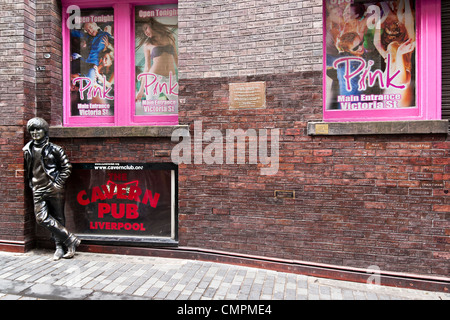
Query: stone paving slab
[{"x": 90, "y": 276}]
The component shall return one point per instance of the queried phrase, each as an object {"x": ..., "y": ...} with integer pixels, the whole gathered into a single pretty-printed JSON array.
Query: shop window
[
  {"x": 382, "y": 60},
  {"x": 120, "y": 63},
  {"x": 129, "y": 203}
]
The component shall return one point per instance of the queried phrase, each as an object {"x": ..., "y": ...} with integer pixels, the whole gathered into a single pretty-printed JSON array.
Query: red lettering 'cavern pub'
[{"x": 309, "y": 136}]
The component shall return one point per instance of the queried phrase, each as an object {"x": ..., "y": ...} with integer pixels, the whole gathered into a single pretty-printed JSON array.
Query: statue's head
[{"x": 38, "y": 128}]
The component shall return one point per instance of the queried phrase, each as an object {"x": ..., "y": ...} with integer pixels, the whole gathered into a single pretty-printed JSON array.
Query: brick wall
[
  {"x": 359, "y": 200},
  {"x": 17, "y": 103},
  {"x": 49, "y": 41}
]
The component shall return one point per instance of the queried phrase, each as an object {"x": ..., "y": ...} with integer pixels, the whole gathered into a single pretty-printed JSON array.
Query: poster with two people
[
  {"x": 156, "y": 34},
  {"x": 92, "y": 63}
]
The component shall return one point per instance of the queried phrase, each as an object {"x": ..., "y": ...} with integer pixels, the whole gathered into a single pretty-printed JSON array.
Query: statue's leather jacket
[{"x": 54, "y": 161}]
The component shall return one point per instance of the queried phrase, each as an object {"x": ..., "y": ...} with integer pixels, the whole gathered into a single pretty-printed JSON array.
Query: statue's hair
[{"x": 37, "y": 123}]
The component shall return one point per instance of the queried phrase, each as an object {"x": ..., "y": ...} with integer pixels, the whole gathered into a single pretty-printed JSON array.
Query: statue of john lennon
[{"x": 48, "y": 168}]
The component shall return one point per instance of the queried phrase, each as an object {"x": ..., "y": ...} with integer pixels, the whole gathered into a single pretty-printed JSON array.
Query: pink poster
[
  {"x": 370, "y": 55},
  {"x": 156, "y": 33},
  {"x": 122, "y": 199},
  {"x": 92, "y": 63}
]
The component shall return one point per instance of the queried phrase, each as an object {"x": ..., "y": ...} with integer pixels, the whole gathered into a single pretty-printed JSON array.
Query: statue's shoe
[{"x": 74, "y": 242}]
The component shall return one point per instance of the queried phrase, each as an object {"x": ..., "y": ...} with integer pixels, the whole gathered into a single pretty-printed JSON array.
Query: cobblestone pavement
[{"x": 91, "y": 276}]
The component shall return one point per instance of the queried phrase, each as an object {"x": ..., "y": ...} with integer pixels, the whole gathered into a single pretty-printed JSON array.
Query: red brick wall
[
  {"x": 91, "y": 150},
  {"x": 359, "y": 200},
  {"x": 17, "y": 104},
  {"x": 49, "y": 41}
]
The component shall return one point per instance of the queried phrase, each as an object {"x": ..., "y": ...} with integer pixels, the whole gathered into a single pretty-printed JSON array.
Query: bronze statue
[{"x": 48, "y": 168}]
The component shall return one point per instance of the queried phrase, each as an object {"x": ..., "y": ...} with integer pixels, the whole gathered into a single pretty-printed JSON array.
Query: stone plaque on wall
[{"x": 247, "y": 95}]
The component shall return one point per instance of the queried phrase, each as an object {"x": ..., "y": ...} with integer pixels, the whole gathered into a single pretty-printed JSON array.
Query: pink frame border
[
  {"x": 124, "y": 94},
  {"x": 429, "y": 78},
  {"x": 171, "y": 119}
]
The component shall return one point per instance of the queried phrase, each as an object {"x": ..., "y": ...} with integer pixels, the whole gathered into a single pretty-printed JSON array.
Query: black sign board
[{"x": 123, "y": 202}]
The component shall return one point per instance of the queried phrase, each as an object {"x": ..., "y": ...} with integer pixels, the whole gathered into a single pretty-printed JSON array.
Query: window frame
[
  {"x": 124, "y": 35},
  {"x": 428, "y": 73}
]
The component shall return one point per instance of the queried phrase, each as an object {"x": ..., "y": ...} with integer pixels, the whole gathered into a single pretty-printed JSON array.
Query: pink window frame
[
  {"x": 124, "y": 35},
  {"x": 428, "y": 73}
]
